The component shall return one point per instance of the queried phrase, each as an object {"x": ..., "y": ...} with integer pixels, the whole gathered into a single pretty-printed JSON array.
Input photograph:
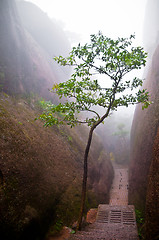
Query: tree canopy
[{"x": 102, "y": 56}]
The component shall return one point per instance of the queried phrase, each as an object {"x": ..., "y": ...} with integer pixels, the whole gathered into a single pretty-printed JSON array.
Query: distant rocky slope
[
  {"x": 47, "y": 33},
  {"x": 25, "y": 66},
  {"x": 144, "y": 158}
]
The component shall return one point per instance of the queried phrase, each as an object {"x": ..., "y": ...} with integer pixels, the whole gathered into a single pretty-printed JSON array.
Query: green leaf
[{"x": 113, "y": 58}]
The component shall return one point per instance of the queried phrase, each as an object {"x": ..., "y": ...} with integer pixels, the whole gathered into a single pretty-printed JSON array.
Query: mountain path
[{"x": 116, "y": 220}]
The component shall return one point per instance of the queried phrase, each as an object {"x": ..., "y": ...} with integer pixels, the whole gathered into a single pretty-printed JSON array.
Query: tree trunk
[{"x": 84, "y": 184}]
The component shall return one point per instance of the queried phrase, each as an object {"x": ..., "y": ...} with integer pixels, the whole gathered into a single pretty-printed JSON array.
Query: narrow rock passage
[{"x": 116, "y": 220}]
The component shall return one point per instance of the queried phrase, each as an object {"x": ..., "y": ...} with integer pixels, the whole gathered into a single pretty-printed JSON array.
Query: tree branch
[{"x": 97, "y": 68}]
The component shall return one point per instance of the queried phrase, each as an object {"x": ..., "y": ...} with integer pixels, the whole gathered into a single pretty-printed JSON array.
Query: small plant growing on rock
[{"x": 140, "y": 222}]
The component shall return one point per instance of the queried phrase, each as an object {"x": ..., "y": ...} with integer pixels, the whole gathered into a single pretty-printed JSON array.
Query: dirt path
[{"x": 119, "y": 190}]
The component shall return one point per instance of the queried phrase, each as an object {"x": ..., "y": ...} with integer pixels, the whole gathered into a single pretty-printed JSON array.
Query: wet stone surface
[{"x": 116, "y": 220}]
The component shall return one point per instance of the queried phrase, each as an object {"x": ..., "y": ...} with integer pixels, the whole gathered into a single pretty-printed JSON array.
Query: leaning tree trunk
[{"x": 84, "y": 184}]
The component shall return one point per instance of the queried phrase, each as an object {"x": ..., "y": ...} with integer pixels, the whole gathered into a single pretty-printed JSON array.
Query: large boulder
[
  {"x": 144, "y": 150},
  {"x": 152, "y": 199},
  {"x": 41, "y": 172}
]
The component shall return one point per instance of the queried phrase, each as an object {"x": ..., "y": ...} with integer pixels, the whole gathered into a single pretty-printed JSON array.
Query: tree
[
  {"x": 121, "y": 133},
  {"x": 121, "y": 144},
  {"x": 83, "y": 92}
]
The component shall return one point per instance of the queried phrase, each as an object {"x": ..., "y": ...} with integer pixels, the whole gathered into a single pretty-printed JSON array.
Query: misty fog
[{"x": 75, "y": 23}]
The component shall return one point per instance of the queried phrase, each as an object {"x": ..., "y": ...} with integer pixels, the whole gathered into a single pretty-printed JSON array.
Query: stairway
[{"x": 116, "y": 220}]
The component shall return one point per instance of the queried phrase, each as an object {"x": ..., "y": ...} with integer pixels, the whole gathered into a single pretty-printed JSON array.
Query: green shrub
[{"x": 140, "y": 223}]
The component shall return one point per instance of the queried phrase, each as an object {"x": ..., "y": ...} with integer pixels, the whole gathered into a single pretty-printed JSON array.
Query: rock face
[
  {"x": 152, "y": 200},
  {"x": 40, "y": 169},
  {"x": 41, "y": 172},
  {"x": 151, "y": 26},
  {"x": 144, "y": 150},
  {"x": 47, "y": 33},
  {"x": 144, "y": 162},
  {"x": 24, "y": 64}
]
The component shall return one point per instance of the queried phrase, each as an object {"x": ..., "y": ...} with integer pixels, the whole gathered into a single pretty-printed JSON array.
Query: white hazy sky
[
  {"x": 84, "y": 17},
  {"x": 114, "y": 18}
]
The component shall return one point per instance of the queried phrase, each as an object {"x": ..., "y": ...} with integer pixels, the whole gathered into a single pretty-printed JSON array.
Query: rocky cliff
[
  {"x": 41, "y": 172},
  {"x": 143, "y": 134},
  {"x": 47, "y": 33},
  {"x": 25, "y": 66},
  {"x": 143, "y": 174},
  {"x": 152, "y": 198},
  {"x": 40, "y": 169},
  {"x": 144, "y": 159},
  {"x": 151, "y": 27}
]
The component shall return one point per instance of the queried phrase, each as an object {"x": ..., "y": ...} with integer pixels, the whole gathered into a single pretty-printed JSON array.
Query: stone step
[
  {"x": 109, "y": 226},
  {"x": 116, "y": 236},
  {"x": 109, "y": 235},
  {"x": 102, "y": 216},
  {"x": 115, "y": 216},
  {"x": 115, "y": 221},
  {"x": 128, "y": 217}
]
